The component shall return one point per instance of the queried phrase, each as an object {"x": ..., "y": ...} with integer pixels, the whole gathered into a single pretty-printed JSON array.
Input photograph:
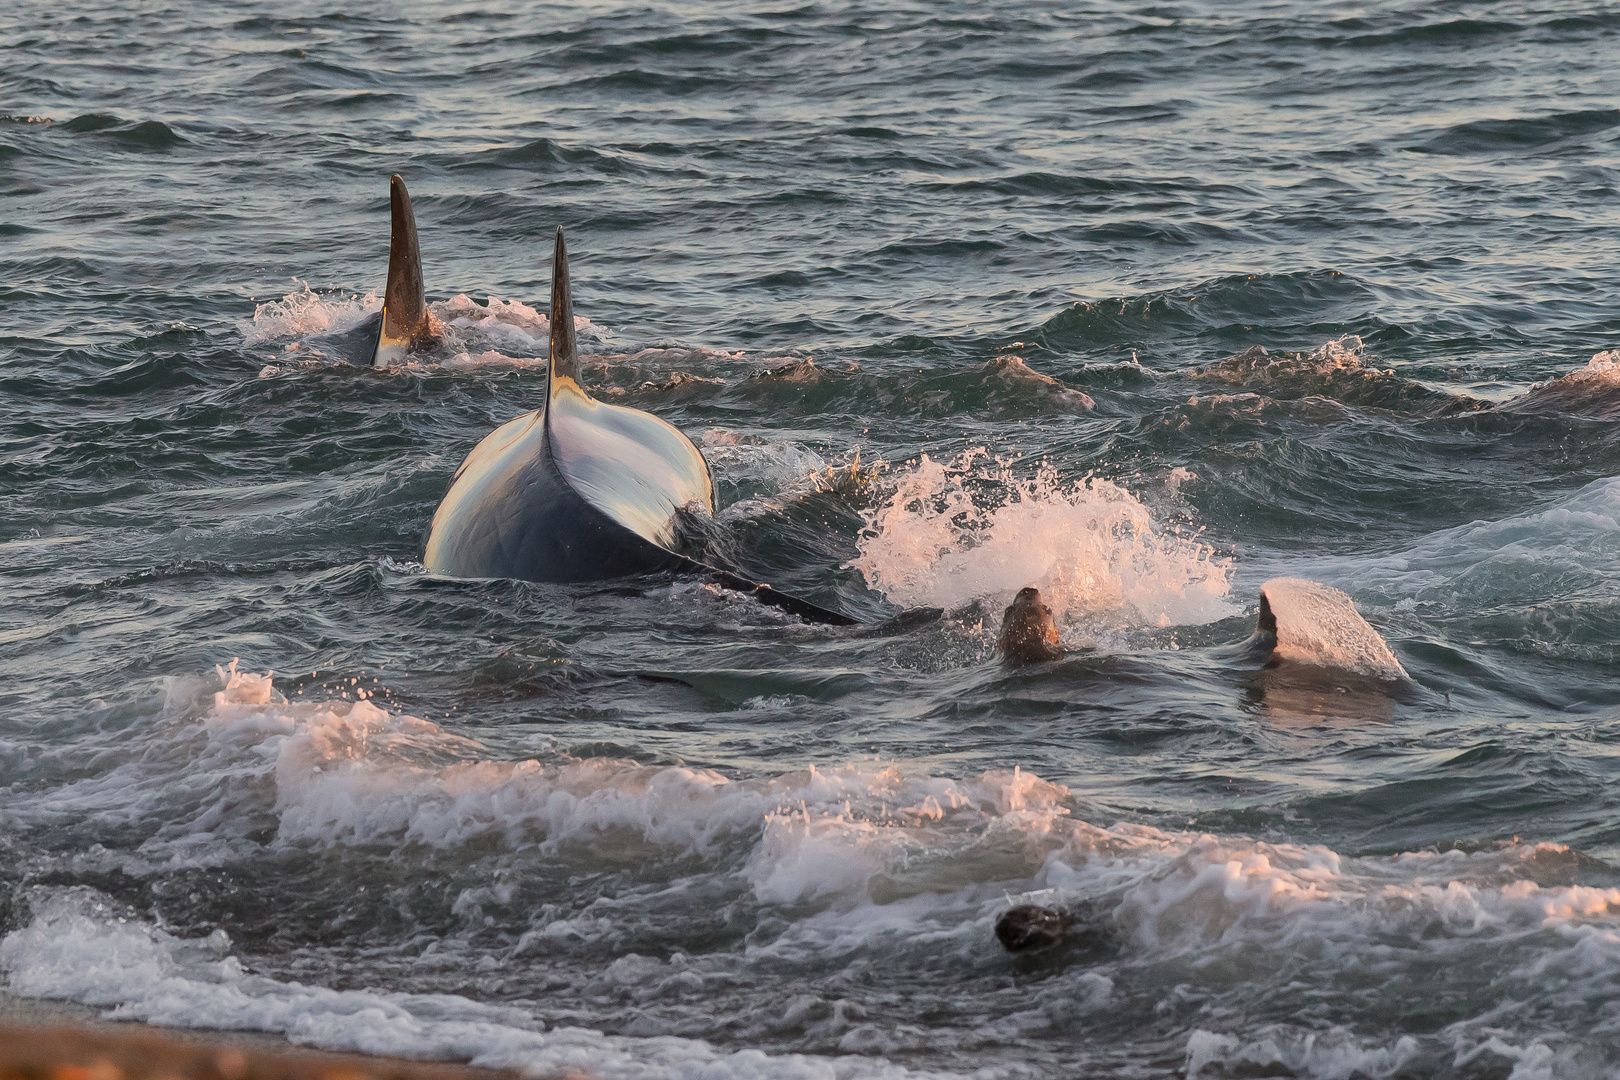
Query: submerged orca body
[
  {"x": 579, "y": 490},
  {"x": 402, "y": 326}
]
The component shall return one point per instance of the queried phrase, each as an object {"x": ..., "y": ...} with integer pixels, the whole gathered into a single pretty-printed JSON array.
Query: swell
[{"x": 661, "y": 829}]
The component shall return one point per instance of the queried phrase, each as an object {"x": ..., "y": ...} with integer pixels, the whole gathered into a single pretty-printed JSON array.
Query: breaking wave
[
  {"x": 891, "y": 864},
  {"x": 81, "y": 948}
]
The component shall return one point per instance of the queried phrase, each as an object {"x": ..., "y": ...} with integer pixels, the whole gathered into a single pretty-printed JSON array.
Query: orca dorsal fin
[
  {"x": 564, "y": 348},
  {"x": 405, "y": 324}
]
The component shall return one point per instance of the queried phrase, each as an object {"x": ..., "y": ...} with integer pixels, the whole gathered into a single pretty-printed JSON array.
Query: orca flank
[{"x": 580, "y": 490}]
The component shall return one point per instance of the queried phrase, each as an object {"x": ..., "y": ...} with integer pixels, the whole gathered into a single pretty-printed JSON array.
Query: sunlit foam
[
  {"x": 1531, "y": 563},
  {"x": 498, "y": 332},
  {"x": 1281, "y": 1050},
  {"x": 305, "y": 313},
  {"x": 82, "y": 948},
  {"x": 874, "y": 858},
  {"x": 1345, "y": 355},
  {"x": 951, "y": 533}
]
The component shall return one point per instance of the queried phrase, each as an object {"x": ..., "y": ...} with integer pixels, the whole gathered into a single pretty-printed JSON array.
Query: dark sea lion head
[
  {"x": 1028, "y": 633},
  {"x": 1030, "y": 926}
]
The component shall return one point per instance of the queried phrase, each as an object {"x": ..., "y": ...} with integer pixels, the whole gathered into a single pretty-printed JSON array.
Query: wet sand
[{"x": 53, "y": 1040}]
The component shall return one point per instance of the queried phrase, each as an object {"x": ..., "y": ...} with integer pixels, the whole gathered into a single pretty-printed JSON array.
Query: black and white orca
[{"x": 577, "y": 490}]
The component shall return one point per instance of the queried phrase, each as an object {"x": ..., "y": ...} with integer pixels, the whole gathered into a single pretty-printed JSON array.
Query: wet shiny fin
[
  {"x": 405, "y": 323},
  {"x": 564, "y": 348}
]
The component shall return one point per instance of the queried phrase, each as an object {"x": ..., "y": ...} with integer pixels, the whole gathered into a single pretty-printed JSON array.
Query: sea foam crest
[
  {"x": 876, "y": 858},
  {"x": 951, "y": 533},
  {"x": 347, "y": 771},
  {"x": 1282, "y": 1051},
  {"x": 80, "y": 948}
]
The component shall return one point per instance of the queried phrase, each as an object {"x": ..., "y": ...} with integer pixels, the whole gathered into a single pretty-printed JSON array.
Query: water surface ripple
[{"x": 956, "y": 300}]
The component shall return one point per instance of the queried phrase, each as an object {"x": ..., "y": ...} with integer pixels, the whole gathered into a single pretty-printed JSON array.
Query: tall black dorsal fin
[
  {"x": 564, "y": 349},
  {"x": 405, "y": 322}
]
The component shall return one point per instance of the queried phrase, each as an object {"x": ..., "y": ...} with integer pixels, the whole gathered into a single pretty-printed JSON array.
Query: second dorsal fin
[
  {"x": 405, "y": 323},
  {"x": 564, "y": 347}
]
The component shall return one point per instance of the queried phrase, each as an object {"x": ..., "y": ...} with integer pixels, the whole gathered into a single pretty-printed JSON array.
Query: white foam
[
  {"x": 1284, "y": 1051},
  {"x": 79, "y": 948},
  {"x": 875, "y": 859},
  {"x": 1534, "y": 1060},
  {"x": 950, "y": 533},
  {"x": 306, "y": 313},
  {"x": 1221, "y": 912},
  {"x": 1240, "y": 908},
  {"x": 851, "y": 826},
  {"x": 344, "y": 770},
  {"x": 500, "y": 321},
  {"x": 778, "y": 464},
  {"x": 498, "y": 332}
]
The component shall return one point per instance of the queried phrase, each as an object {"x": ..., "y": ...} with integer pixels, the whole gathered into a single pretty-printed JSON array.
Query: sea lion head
[
  {"x": 1028, "y": 633},
  {"x": 1027, "y": 927}
]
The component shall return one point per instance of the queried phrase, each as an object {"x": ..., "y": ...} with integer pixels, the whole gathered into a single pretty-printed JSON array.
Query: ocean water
[{"x": 957, "y": 299}]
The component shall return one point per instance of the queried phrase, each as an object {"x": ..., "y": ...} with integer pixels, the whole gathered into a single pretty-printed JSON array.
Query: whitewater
[{"x": 1144, "y": 307}]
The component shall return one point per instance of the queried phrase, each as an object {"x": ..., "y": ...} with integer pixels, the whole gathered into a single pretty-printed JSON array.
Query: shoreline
[{"x": 42, "y": 1038}]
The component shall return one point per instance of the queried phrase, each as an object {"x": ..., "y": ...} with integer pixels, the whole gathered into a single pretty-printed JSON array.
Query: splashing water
[
  {"x": 1603, "y": 367},
  {"x": 305, "y": 312},
  {"x": 1090, "y": 546},
  {"x": 495, "y": 332},
  {"x": 638, "y": 831},
  {"x": 883, "y": 861}
]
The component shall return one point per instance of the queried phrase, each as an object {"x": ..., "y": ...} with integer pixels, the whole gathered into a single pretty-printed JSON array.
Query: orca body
[{"x": 580, "y": 490}]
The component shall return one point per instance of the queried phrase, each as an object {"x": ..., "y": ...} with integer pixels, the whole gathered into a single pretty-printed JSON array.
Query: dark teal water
[{"x": 649, "y": 829}]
